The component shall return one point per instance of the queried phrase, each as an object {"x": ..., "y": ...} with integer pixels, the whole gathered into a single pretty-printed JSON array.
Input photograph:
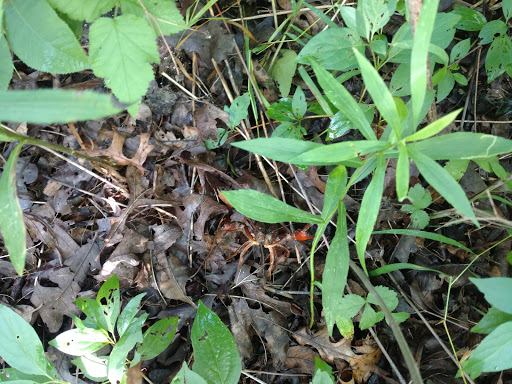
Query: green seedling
[{"x": 420, "y": 199}]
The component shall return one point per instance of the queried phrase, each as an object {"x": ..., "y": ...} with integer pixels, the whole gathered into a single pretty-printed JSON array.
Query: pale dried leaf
[{"x": 172, "y": 277}]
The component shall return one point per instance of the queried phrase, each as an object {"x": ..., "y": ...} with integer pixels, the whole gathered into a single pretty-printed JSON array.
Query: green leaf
[
  {"x": 370, "y": 317},
  {"x": 186, "y": 376},
  {"x": 491, "y": 30},
  {"x": 343, "y": 101},
  {"x": 128, "y": 313},
  {"x": 460, "y": 78},
  {"x": 17, "y": 377},
  {"x": 41, "y": 39},
  {"x": 81, "y": 10},
  {"x": 471, "y": 20},
  {"x": 419, "y": 197},
  {"x": 216, "y": 356},
  {"x": 164, "y": 17},
  {"x": 378, "y": 12},
  {"x": 238, "y": 110},
  {"x": 497, "y": 292},
  {"x": 117, "y": 359},
  {"x": 506, "y": 6},
  {"x": 21, "y": 347},
  {"x": 460, "y": 50},
  {"x": 443, "y": 183},
  {"x": 6, "y": 67},
  {"x": 334, "y": 190},
  {"x": 355, "y": 20},
  {"x": 79, "y": 342},
  {"x": 44, "y": 106},
  {"x": 491, "y": 320},
  {"x": 283, "y": 71},
  {"x": 445, "y": 86},
  {"x": 402, "y": 172},
  {"x": 329, "y": 46},
  {"x": 420, "y": 218},
  {"x": 398, "y": 266},
  {"x": 400, "y": 317},
  {"x": 462, "y": 146},
  {"x": 93, "y": 367},
  {"x": 493, "y": 353},
  {"x": 121, "y": 51},
  {"x": 94, "y": 312},
  {"x": 279, "y": 149},
  {"x": 419, "y": 56},
  {"x": 400, "y": 81},
  {"x": 267, "y": 209},
  {"x": 156, "y": 339},
  {"x": 369, "y": 211},
  {"x": 299, "y": 105},
  {"x": 323, "y": 373},
  {"x": 345, "y": 325},
  {"x": 380, "y": 93},
  {"x": 351, "y": 304},
  {"x": 387, "y": 295},
  {"x": 457, "y": 168},
  {"x": 109, "y": 294},
  {"x": 498, "y": 59},
  {"x": 335, "y": 273},
  {"x": 338, "y": 127},
  {"x": 435, "y": 127},
  {"x": 12, "y": 225}
]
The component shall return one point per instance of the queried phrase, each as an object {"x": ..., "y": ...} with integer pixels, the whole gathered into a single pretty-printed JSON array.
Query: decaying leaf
[
  {"x": 172, "y": 277},
  {"x": 301, "y": 359}
]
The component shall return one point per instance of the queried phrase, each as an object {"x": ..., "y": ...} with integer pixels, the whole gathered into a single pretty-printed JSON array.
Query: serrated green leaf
[
  {"x": 370, "y": 317},
  {"x": 164, "y": 16},
  {"x": 419, "y": 197},
  {"x": 497, "y": 292},
  {"x": 369, "y": 211},
  {"x": 299, "y": 105},
  {"x": 491, "y": 320},
  {"x": 44, "y": 106},
  {"x": 109, "y": 294},
  {"x": 471, "y": 20},
  {"x": 493, "y": 353},
  {"x": 343, "y": 101},
  {"x": 387, "y": 295},
  {"x": 238, "y": 110},
  {"x": 400, "y": 317},
  {"x": 21, "y": 347},
  {"x": 443, "y": 183},
  {"x": 490, "y": 30},
  {"x": 156, "y": 339},
  {"x": 12, "y": 225},
  {"x": 420, "y": 218},
  {"x": 128, "y": 313},
  {"x": 6, "y": 67},
  {"x": 186, "y": 376},
  {"x": 79, "y": 342},
  {"x": 283, "y": 71},
  {"x": 335, "y": 273},
  {"x": 351, "y": 304},
  {"x": 121, "y": 51},
  {"x": 267, "y": 209},
  {"x": 93, "y": 367},
  {"x": 41, "y": 39},
  {"x": 216, "y": 355},
  {"x": 81, "y": 10}
]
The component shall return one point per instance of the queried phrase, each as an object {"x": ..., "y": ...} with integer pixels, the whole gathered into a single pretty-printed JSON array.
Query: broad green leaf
[
  {"x": 12, "y": 225},
  {"x": 109, "y": 294},
  {"x": 354, "y": 19},
  {"x": 462, "y": 146},
  {"x": 94, "y": 312},
  {"x": 419, "y": 197},
  {"x": 21, "y": 347},
  {"x": 497, "y": 292},
  {"x": 369, "y": 211},
  {"x": 41, "y": 39},
  {"x": 426, "y": 235},
  {"x": 238, "y": 110},
  {"x": 343, "y": 100},
  {"x": 370, "y": 317},
  {"x": 400, "y": 317},
  {"x": 434, "y": 128},
  {"x": 338, "y": 127},
  {"x": 398, "y": 266},
  {"x": 419, "y": 56},
  {"x": 499, "y": 57},
  {"x": 76, "y": 26},
  {"x": 283, "y": 71},
  {"x": 121, "y": 51},
  {"x": 493, "y": 353},
  {"x": 156, "y": 338},
  {"x": 267, "y": 209},
  {"x": 471, "y": 20},
  {"x": 323, "y": 373},
  {"x": 457, "y": 168},
  {"x": 6, "y": 67},
  {"x": 128, "y": 313},
  {"x": 351, "y": 304},
  {"x": 460, "y": 78},
  {"x": 400, "y": 81},
  {"x": 490, "y": 30},
  {"x": 279, "y": 149},
  {"x": 216, "y": 355},
  {"x": 187, "y": 376},
  {"x": 83, "y": 10},
  {"x": 44, "y": 106},
  {"x": 79, "y": 342},
  {"x": 380, "y": 93},
  {"x": 378, "y": 12},
  {"x": 445, "y": 86},
  {"x": 443, "y": 183},
  {"x": 117, "y": 358},
  {"x": 93, "y": 367},
  {"x": 402, "y": 172},
  {"x": 506, "y": 6},
  {"x": 460, "y": 50},
  {"x": 164, "y": 16},
  {"x": 420, "y": 218},
  {"x": 491, "y": 320},
  {"x": 387, "y": 295},
  {"x": 299, "y": 105},
  {"x": 17, "y": 377},
  {"x": 335, "y": 273},
  {"x": 329, "y": 46},
  {"x": 334, "y": 190}
]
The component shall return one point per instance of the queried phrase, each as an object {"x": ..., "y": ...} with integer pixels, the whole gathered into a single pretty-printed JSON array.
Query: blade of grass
[
  {"x": 397, "y": 266},
  {"x": 402, "y": 173}
]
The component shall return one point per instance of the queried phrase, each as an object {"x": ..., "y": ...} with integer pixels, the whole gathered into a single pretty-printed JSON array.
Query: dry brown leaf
[
  {"x": 172, "y": 277},
  {"x": 134, "y": 374},
  {"x": 321, "y": 342},
  {"x": 84, "y": 261},
  {"x": 115, "y": 151},
  {"x": 209, "y": 207},
  {"x": 365, "y": 363},
  {"x": 206, "y": 120},
  {"x": 301, "y": 359}
]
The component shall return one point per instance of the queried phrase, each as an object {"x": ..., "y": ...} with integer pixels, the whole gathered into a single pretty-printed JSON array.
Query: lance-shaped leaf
[
  {"x": 278, "y": 148},
  {"x": 370, "y": 209},
  {"x": 402, "y": 172},
  {"x": 434, "y": 128},
  {"x": 6, "y": 67},
  {"x": 334, "y": 190}
]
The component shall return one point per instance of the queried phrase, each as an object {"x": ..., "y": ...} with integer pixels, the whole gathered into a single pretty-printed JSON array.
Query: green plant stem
[{"x": 395, "y": 328}]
